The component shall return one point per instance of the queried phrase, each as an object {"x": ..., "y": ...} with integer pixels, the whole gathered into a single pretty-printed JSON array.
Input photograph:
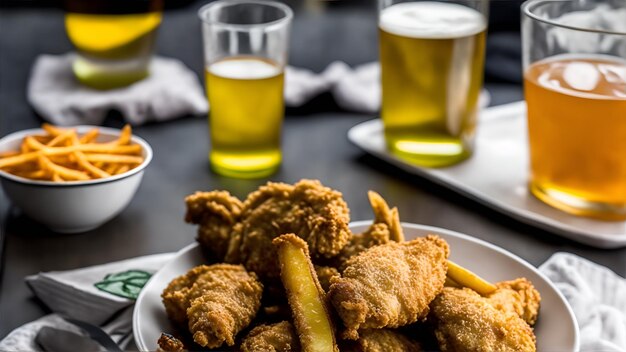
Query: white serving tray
[{"x": 497, "y": 174}]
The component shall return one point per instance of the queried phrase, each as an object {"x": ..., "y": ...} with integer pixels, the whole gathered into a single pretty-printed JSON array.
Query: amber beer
[
  {"x": 577, "y": 133},
  {"x": 114, "y": 39},
  {"x": 246, "y": 99},
  {"x": 431, "y": 56}
]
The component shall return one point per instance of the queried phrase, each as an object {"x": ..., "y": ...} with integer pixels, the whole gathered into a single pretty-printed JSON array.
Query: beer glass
[
  {"x": 431, "y": 55},
  {"x": 574, "y": 55},
  {"x": 245, "y": 53},
  {"x": 114, "y": 39}
]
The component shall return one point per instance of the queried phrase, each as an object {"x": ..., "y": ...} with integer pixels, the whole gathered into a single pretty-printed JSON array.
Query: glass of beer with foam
[
  {"x": 574, "y": 55},
  {"x": 245, "y": 53},
  {"x": 114, "y": 39},
  {"x": 431, "y": 55}
]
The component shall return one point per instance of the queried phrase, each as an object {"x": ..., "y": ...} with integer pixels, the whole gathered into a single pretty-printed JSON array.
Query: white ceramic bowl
[{"x": 74, "y": 206}]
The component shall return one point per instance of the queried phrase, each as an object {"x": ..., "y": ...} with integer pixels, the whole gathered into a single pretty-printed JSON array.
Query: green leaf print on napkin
[{"x": 126, "y": 284}]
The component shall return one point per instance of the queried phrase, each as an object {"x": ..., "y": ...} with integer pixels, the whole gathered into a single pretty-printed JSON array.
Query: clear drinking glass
[
  {"x": 114, "y": 39},
  {"x": 245, "y": 53},
  {"x": 432, "y": 57},
  {"x": 575, "y": 88}
]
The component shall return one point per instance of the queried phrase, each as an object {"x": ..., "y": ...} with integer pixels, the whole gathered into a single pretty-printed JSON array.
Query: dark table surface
[{"x": 314, "y": 145}]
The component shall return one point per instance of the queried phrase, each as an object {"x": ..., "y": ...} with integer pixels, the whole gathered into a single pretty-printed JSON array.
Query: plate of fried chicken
[{"x": 285, "y": 270}]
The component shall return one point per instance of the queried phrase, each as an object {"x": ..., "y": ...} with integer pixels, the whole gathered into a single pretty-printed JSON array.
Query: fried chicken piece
[
  {"x": 228, "y": 298},
  {"x": 316, "y": 213},
  {"x": 466, "y": 321},
  {"x": 216, "y": 212},
  {"x": 386, "y": 227},
  {"x": 382, "y": 340},
  {"x": 168, "y": 343},
  {"x": 278, "y": 337},
  {"x": 216, "y": 301},
  {"x": 325, "y": 274},
  {"x": 517, "y": 296},
  {"x": 176, "y": 298},
  {"x": 390, "y": 285}
]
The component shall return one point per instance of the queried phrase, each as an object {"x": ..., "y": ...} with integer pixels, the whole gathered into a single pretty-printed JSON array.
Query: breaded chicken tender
[
  {"x": 466, "y": 321},
  {"x": 221, "y": 301},
  {"x": 517, "y": 296},
  {"x": 382, "y": 340},
  {"x": 176, "y": 297},
  {"x": 316, "y": 213},
  {"x": 390, "y": 285},
  {"x": 278, "y": 337},
  {"x": 216, "y": 212}
]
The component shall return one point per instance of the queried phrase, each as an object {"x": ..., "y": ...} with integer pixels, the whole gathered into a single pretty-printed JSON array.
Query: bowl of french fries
[{"x": 72, "y": 179}]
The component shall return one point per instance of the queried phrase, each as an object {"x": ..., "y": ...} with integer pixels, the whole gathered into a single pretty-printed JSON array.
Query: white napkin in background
[
  {"x": 173, "y": 90},
  {"x": 72, "y": 293},
  {"x": 596, "y": 294}
]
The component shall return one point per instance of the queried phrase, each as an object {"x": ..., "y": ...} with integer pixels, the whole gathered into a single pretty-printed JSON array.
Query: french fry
[
  {"x": 122, "y": 169},
  {"x": 305, "y": 295},
  {"x": 52, "y": 130},
  {"x": 18, "y": 159},
  {"x": 90, "y": 136},
  {"x": 9, "y": 153},
  {"x": 82, "y": 161},
  {"x": 59, "y": 139},
  {"x": 124, "y": 138},
  {"x": 65, "y": 173},
  {"x": 114, "y": 158},
  {"x": 57, "y": 178},
  {"x": 466, "y": 278}
]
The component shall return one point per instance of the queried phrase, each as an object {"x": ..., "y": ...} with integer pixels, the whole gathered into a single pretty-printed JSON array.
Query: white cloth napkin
[
  {"x": 73, "y": 294},
  {"x": 597, "y": 296},
  {"x": 172, "y": 90}
]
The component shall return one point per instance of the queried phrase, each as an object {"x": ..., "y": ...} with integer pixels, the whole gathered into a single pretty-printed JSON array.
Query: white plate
[
  {"x": 556, "y": 329},
  {"x": 497, "y": 175}
]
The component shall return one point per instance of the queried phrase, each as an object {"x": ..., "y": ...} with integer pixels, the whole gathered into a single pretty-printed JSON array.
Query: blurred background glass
[
  {"x": 575, "y": 87},
  {"x": 432, "y": 59},
  {"x": 245, "y": 52},
  {"x": 114, "y": 39}
]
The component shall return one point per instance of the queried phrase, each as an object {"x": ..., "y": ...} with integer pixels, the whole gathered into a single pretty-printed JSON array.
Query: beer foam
[
  {"x": 241, "y": 68},
  {"x": 429, "y": 19}
]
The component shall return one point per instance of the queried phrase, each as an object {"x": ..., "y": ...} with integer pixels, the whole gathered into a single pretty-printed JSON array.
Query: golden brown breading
[
  {"x": 517, "y": 296},
  {"x": 382, "y": 340},
  {"x": 315, "y": 213},
  {"x": 324, "y": 274},
  {"x": 216, "y": 212},
  {"x": 465, "y": 321},
  {"x": 390, "y": 285},
  {"x": 168, "y": 343},
  {"x": 228, "y": 298},
  {"x": 176, "y": 295},
  {"x": 278, "y": 337}
]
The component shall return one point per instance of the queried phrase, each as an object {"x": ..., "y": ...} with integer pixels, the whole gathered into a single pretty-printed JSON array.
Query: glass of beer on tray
[
  {"x": 114, "y": 39},
  {"x": 245, "y": 53},
  {"x": 575, "y": 88},
  {"x": 431, "y": 55}
]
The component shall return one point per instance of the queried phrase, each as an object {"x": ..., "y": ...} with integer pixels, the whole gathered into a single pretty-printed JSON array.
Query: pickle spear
[{"x": 305, "y": 295}]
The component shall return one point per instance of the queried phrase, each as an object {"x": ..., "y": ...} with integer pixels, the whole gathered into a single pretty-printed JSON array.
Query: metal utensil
[{"x": 58, "y": 340}]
